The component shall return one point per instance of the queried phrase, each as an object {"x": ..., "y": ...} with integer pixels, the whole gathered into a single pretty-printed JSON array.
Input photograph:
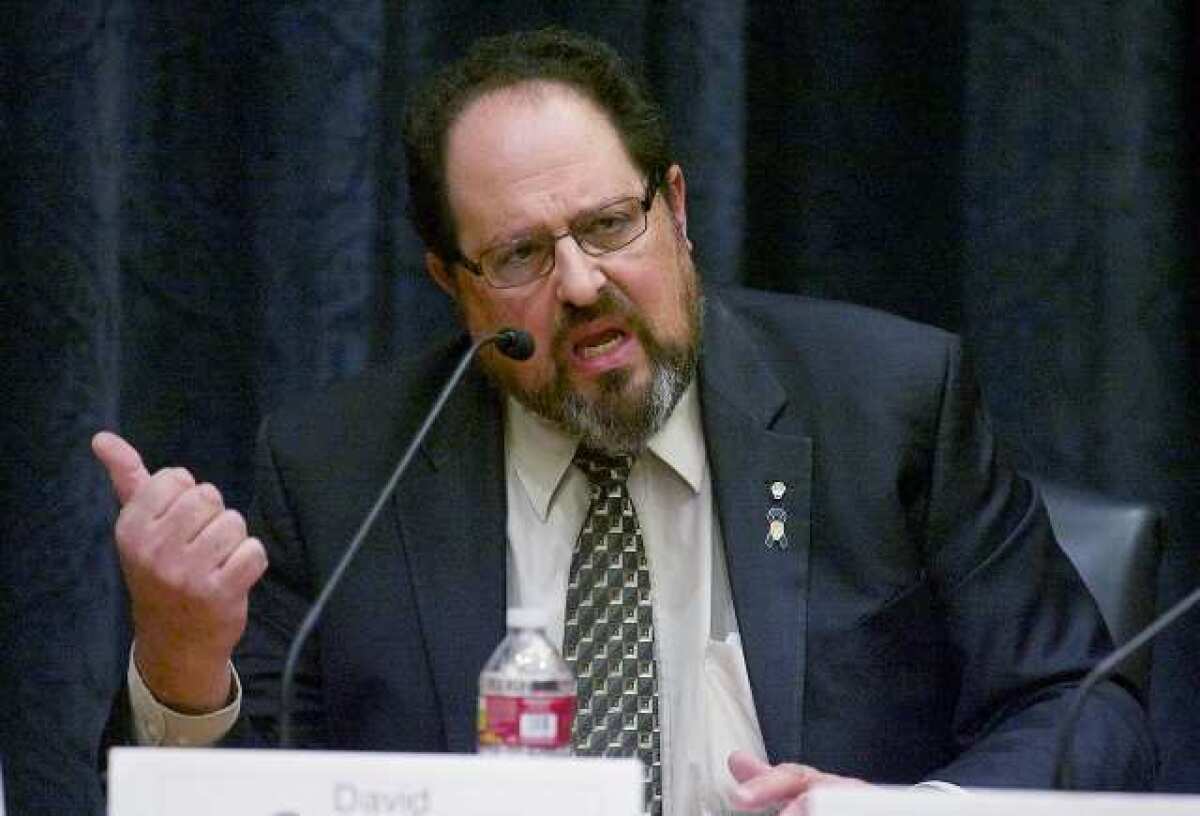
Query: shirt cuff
[{"x": 156, "y": 725}]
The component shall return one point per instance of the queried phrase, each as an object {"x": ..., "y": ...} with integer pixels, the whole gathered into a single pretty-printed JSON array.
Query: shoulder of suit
[
  {"x": 811, "y": 339},
  {"x": 366, "y": 409},
  {"x": 800, "y": 313}
]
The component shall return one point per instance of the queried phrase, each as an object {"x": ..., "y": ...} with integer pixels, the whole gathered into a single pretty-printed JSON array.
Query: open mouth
[
  {"x": 597, "y": 345},
  {"x": 599, "y": 349}
]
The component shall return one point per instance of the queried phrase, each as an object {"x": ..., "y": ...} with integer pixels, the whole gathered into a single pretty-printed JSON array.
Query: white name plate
[
  {"x": 235, "y": 782},
  {"x": 976, "y": 802}
]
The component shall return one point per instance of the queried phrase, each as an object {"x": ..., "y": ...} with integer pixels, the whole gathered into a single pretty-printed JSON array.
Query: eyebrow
[{"x": 504, "y": 240}]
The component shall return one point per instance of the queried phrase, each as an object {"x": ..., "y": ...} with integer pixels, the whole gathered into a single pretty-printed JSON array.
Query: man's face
[{"x": 616, "y": 334}]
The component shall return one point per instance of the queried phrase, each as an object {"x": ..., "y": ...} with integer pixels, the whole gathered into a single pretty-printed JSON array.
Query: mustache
[{"x": 610, "y": 302}]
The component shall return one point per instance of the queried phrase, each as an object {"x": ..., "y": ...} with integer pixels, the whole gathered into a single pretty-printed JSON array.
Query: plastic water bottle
[{"x": 526, "y": 692}]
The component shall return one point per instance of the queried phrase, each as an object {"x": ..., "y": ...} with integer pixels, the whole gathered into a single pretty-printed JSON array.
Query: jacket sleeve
[
  {"x": 1022, "y": 626},
  {"x": 278, "y": 604}
]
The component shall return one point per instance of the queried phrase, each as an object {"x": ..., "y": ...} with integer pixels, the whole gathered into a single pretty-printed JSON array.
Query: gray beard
[{"x": 617, "y": 421}]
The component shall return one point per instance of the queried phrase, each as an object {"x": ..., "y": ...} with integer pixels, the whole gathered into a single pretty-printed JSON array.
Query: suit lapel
[
  {"x": 451, "y": 513},
  {"x": 742, "y": 406}
]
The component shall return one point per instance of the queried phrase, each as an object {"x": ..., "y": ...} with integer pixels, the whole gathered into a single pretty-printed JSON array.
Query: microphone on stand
[
  {"x": 513, "y": 343},
  {"x": 1063, "y": 779}
]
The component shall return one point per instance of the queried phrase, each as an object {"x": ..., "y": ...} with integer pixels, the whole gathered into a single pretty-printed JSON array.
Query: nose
[{"x": 580, "y": 277}]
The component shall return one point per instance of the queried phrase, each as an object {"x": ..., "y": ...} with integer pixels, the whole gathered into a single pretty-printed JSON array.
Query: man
[{"x": 840, "y": 573}]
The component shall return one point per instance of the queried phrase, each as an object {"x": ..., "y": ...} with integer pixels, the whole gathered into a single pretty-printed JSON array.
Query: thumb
[
  {"x": 123, "y": 463},
  {"x": 743, "y": 765}
]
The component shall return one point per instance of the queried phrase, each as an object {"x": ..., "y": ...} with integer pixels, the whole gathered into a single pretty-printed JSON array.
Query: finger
[
  {"x": 165, "y": 487},
  {"x": 189, "y": 514},
  {"x": 745, "y": 765},
  {"x": 796, "y": 807},
  {"x": 780, "y": 784},
  {"x": 799, "y": 805},
  {"x": 147, "y": 528},
  {"x": 219, "y": 538},
  {"x": 244, "y": 566},
  {"x": 123, "y": 463}
]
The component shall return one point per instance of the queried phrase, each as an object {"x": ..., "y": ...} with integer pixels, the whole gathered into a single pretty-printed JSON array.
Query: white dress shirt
[{"x": 705, "y": 704}]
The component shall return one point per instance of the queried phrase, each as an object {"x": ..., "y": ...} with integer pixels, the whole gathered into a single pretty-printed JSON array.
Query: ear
[
  {"x": 442, "y": 274},
  {"x": 676, "y": 195}
]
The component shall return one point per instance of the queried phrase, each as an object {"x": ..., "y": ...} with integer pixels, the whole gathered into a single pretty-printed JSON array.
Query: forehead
[{"x": 531, "y": 153}]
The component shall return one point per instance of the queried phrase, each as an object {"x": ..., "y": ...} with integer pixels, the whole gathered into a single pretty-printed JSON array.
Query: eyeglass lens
[{"x": 601, "y": 231}]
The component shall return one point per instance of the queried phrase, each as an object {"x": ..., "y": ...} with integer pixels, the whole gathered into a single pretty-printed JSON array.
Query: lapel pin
[
  {"x": 778, "y": 488},
  {"x": 776, "y": 529}
]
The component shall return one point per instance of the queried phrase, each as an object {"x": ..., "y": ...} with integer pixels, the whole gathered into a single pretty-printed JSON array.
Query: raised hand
[{"x": 189, "y": 566}]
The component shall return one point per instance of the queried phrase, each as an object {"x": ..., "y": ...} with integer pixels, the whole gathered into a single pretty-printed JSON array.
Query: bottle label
[{"x": 525, "y": 722}]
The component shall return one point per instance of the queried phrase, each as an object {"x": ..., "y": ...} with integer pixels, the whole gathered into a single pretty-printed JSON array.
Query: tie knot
[{"x": 603, "y": 469}]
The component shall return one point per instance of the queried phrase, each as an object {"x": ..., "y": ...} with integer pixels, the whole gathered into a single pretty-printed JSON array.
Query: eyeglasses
[{"x": 597, "y": 232}]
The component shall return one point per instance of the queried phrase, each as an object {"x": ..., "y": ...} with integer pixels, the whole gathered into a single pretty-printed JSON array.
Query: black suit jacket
[{"x": 922, "y": 623}]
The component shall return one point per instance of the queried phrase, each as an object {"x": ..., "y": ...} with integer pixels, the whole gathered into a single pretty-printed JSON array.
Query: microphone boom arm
[
  {"x": 1062, "y": 760},
  {"x": 507, "y": 340}
]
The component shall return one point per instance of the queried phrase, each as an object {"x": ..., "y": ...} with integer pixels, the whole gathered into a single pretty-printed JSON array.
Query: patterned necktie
[{"x": 608, "y": 637}]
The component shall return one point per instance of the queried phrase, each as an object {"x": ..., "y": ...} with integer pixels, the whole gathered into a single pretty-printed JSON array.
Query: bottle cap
[{"x": 527, "y": 617}]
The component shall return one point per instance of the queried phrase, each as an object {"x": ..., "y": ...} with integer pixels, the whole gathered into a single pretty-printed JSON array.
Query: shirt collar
[{"x": 541, "y": 452}]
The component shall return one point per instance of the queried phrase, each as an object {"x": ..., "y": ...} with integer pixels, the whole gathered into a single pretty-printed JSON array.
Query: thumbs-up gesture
[{"x": 189, "y": 566}]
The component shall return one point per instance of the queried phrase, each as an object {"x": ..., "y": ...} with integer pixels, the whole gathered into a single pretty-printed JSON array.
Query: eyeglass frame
[{"x": 653, "y": 183}]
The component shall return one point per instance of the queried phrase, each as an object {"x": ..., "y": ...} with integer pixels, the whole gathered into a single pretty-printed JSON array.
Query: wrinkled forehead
[
  {"x": 520, "y": 127},
  {"x": 533, "y": 146}
]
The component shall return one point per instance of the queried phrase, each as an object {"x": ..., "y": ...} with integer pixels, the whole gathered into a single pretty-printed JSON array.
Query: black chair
[{"x": 1116, "y": 546}]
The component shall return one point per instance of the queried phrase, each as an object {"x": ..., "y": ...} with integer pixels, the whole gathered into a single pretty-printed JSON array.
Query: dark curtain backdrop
[{"x": 202, "y": 217}]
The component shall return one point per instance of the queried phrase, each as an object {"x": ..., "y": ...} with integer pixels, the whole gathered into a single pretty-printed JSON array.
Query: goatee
[{"x": 619, "y": 417}]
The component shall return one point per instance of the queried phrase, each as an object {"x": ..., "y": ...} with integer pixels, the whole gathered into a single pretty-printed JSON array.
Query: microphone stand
[
  {"x": 1063, "y": 779},
  {"x": 512, "y": 343}
]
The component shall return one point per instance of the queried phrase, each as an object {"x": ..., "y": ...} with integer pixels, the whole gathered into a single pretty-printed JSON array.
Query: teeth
[{"x": 587, "y": 352}]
